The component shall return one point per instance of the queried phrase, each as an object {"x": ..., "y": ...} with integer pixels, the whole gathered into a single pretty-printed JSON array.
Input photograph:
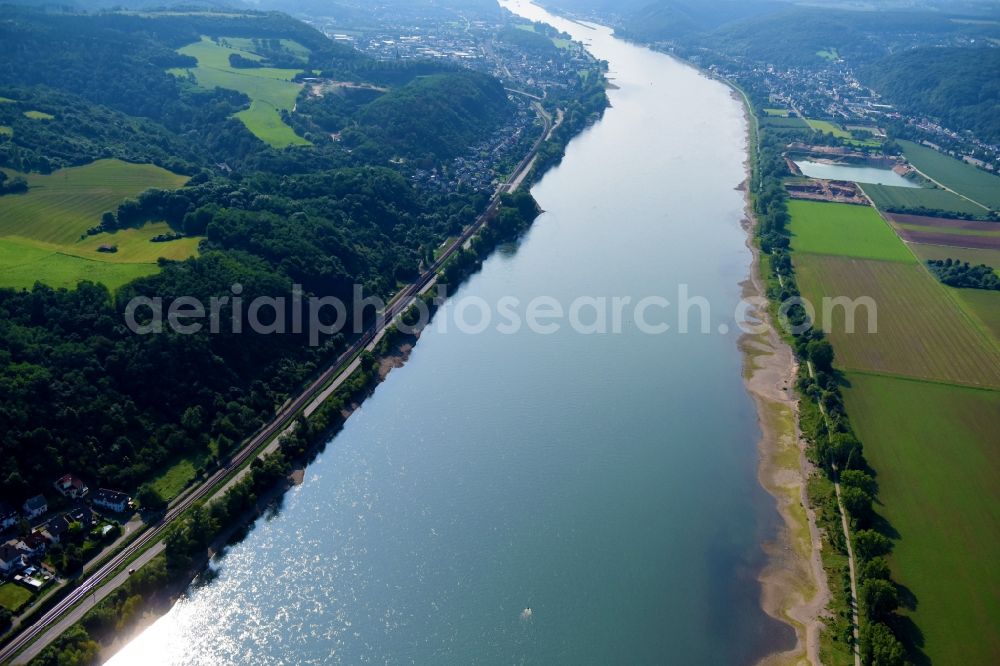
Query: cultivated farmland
[
  {"x": 921, "y": 331},
  {"x": 61, "y": 206},
  {"x": 937, "y": 456},
  {"x": 887, "y": 197},
  {"x": 271, "y": 90},
  {"x": 984, "y": 307},
  {"x": 955, "y": 174},
  {"x": 973, "y": 256},
  {"x": 43, "y": 234},
  {"x": 958, "y": 233},
  {"x": 841, "y": 229}
]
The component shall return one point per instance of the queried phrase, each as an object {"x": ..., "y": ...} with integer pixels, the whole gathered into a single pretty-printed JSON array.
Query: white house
[
  {"x": 112, "y": 500},
  {"x": 11, "y": 559},
  {"x": 36, "y": 506},
  {"x": 32, "y": 545},
  {"x": 8, "y": 516}
]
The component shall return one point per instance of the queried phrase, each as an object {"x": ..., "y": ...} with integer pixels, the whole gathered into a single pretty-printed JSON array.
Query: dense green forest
[
  {"x": 435, "y": 116},
  {"x": 79, "y": 392},
  {"x": 672, "y": 19},
  {"x": 958, "y": 86}
]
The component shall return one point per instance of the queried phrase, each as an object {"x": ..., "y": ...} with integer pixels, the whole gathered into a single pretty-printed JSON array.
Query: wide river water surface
[{"x": 608, "y": 482}]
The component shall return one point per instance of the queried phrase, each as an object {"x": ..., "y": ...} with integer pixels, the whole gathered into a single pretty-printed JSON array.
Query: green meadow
[
  {"x": 836, "y": 130},
  {"x": 43, "y": 234},
  {"x": 955, "y": 174},
  {"x": 937, "y": 455},
  {"x": 829, "y": 128},
  {"x": 783, "y": 121},
  {"x": 178, "y": 475},
  {"x": 984, "y": 307},
  {"x": 887, "y": 197},
  {"x": 38, "y": 115},
  {"x": 842, "y": 229},
  {"x": 271, "y": 90},
  {"x": 13, "y": 597},
  {"x": 974, "y": 256},
  {"x": 246, "y": 45},
  {"x": 23, "y": 265}
]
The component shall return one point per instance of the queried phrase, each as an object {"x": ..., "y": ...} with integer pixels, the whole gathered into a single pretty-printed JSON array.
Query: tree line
[{"x": 834, "y": 446}]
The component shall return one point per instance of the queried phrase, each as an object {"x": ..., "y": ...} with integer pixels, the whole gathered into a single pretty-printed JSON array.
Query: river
[{"x": 605, "y": 481}]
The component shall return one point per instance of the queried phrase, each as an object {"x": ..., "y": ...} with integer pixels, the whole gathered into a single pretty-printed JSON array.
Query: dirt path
[
  {"x": 852, "y": 567},
  {"x": 851, "y": 562}
]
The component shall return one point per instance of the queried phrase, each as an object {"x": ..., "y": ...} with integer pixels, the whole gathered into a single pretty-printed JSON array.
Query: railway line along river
[{"x": 605, "y": 481}]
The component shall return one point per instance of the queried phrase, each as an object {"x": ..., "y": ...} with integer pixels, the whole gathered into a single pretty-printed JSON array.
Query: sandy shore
[{"x": 793, "y": 584}]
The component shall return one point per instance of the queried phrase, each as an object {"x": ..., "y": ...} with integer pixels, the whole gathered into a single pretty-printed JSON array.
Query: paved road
[
  {"x": 103, "y": 581},
  {"x": 56, "y": 629}
]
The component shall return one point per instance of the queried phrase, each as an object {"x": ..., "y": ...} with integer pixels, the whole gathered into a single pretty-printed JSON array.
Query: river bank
[{"x": 793, "y": 583}]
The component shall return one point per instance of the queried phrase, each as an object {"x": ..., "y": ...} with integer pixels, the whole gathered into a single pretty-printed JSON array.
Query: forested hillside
[
  {"x": 434, "y": 116},
  {"x": 958, "y": 86},
  {"x": 79, "y": 392},
  {"x": 671, "y": 19}
]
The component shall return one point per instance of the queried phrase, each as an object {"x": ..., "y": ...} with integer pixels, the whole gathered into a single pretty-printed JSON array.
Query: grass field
[
  {"x": 271, "y": 90},
  {"x": 921, "y": 331},
  {"x": 887, "y": 196},
  {"x": 974, "y": 256},
  {"x": 937, "y": 455},
  {"x": 13, "y": 597},
  {"x": 778, "y": 121},
  {"x": 176, "y": 477},
  {"x": 984, "y": 307},
  {"x": 558, "y": 42},
  {"x": 830, "y": 54},
  {"x": 246, "y": 44},
  {"x": 38, "y": 115},
  {"x": 6, "y": 131},
  {"x": 776, "y": 113},
  {"x": 829, "y": 128},
  {"x": 843, "y": 229},
  {"x": 23, "y": 265},
  {"x": 43, "y": 233},
  {"x": 61, "y": 206},
  {"x": 839, "y": 132},
  {"x": 955, "y": 174}
]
